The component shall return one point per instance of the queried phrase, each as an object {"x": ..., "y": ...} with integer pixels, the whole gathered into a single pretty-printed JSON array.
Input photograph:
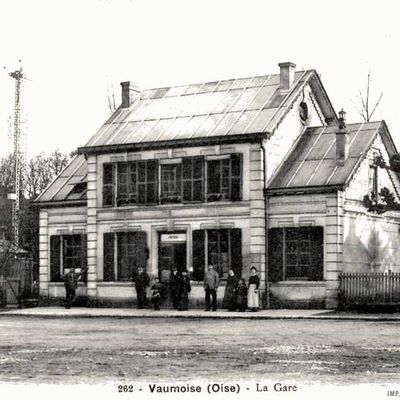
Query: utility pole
[{"x": 18, "y": 76}]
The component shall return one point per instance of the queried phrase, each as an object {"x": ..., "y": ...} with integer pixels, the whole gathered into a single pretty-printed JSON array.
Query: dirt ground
[{"x": 101, "y": 350}]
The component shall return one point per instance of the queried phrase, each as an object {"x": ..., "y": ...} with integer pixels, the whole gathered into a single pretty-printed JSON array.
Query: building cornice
[
  {"x": 302, "y": 190},
  {"x": 177, "y": 143}
]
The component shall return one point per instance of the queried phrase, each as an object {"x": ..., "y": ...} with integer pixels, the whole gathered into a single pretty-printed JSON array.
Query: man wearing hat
[
  {"x": 211, "y": 281},
  {"x": 141, "y": 280},
  {"x": 71, "y": 284},
  {"x": 175, "y": 287}
]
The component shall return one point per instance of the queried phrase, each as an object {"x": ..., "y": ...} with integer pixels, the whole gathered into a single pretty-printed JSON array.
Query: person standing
[
  {"x": 229, "y": 301},
  {"x": 211, "y": 281},
  {"x": 184, "y": 292},
  {"x": 252, "y": 294},
  {"x": 71, "y": 283},
  {"x": 175, "y": 287},
  {"x": 156, "y": 294},
  {"x": 241, "y": 295},
  {"x": 141, "y": 280}
]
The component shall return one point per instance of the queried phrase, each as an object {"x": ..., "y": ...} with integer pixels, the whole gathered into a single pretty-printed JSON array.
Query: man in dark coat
[
  {"x": 185, "y": 290},
  {"x": 71, "y": 283},
  {"x": 175, "y": 287},
  {"x": 141, "y": 280}
]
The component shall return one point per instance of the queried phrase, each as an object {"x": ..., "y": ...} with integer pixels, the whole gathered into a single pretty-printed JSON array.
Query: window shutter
[
  {"x": 141, "y": 252},
  {"x": 55, "y": 252},
  {"x": 108, "y": 184},
  {"x": 236, "y": 177},
  {"x": 152, "y": 181},
  {"x": 236, "y": 251},
  {"x": 198, "y": 255},
  {"x": 316, "y": 272},
  {"x": 84, "y": 256},
  {"x": 275, "y": 254},
  {"x": 108, "y": 259}
]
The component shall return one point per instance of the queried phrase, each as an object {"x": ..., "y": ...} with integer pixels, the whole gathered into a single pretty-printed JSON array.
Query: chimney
[
  {"x": 130, "y": 94},
  {"x": 286, "y": 76},
  {"x": 342, "y": 140}
]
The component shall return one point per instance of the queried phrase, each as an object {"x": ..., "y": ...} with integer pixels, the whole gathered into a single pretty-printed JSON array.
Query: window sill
[
  {"x": 115, "y": 283},
  {"x": 179, "y": 205}
]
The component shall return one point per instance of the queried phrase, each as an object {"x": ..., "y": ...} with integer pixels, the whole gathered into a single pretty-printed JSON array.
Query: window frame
[
  {"x": 170, "y": 195},
  {"x": 70, "y": 252},
  {"x": 225, "y": 172},
  {"x": 203, "y": 244},
  {"x": 126, "y": 182},
  {"x": 285, "y": 244},
  {"x": 135, "y": 183},
  {"x": 124, "y": 250}
]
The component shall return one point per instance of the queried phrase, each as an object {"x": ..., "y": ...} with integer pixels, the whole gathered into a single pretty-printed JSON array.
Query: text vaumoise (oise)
[{"x": 221, "y": 388}]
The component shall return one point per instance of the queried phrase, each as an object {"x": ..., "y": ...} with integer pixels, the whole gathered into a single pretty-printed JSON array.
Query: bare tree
[
  {"x": 367, "y": 111},
  {"x": 7, "y": 171},
  {"x": 111, "y": 100}
]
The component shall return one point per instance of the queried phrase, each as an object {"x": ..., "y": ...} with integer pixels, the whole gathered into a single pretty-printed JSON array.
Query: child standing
[
  {"x": 156, "y": 294},
  {"x": 241, "y": 295}
]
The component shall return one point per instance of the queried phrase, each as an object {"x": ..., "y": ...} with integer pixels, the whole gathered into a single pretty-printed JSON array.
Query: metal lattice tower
[{"x": 18, "y": 76}]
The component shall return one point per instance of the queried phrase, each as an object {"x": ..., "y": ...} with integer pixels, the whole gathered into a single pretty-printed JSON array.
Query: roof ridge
[{"x": 216, "y": 80}]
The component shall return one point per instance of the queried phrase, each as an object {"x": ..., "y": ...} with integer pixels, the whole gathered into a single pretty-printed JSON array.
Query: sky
[{"x": 76, "y": 52}]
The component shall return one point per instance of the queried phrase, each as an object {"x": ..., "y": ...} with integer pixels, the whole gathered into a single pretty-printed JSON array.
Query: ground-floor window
[
  {"x": 67, "y": 251},
  {"x": 124, "y": 253},
  {"x": 220, "y": 247},
  {"x": 296, "y": 254}
]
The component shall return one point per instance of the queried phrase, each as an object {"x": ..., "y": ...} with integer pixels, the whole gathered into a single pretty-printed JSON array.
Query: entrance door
[{"x": 172, "y": 252}]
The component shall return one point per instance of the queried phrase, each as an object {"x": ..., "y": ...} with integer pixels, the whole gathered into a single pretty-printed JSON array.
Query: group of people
[
  {"x": 238, "y": 295},
  {"x": 179, "y": 285}
]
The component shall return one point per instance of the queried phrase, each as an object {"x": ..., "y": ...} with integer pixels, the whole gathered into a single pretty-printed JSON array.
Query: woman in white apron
[{"x": 252, "y": 294}]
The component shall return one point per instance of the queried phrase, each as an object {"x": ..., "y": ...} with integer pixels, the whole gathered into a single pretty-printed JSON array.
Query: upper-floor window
[
  {"x": 191, "y": 179},
  {"x": 171, "y": 183},
  {"x": 224, "y": 178}
]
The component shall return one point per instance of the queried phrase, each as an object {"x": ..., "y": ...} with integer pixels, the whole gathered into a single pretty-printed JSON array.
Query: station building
[{"x": 257, "y": 171}]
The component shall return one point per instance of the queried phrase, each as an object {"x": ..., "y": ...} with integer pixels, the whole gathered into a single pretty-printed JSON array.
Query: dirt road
[{"x": 126, "y": 350}]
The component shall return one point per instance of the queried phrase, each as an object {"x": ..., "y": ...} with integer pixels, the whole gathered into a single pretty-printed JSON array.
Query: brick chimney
[
  {"x": 130, "y": 94},
  {"x": 286, "y": 76},
  {"x": 342, "y": 140}
]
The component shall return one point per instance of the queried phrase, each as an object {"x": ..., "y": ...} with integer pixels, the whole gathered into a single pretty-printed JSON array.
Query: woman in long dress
[
  {"x": 229, "y": 301},
  {"x": 252, "y": 293}
]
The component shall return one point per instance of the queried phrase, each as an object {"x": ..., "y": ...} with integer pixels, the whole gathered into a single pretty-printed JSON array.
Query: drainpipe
[{"x": 267, "y": 304}]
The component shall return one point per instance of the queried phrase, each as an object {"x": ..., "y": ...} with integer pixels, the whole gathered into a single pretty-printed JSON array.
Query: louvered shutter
[
  {"x": 198, "y": 255},
  {"x": 108, "y": 260},
  {"x": 55, "y": 252},
  {"x": 236, "y": 251},
  {"x": 316, "y": 272},
  {"x": 275, "y": 254},
  {"x": 84, "y": 256}
]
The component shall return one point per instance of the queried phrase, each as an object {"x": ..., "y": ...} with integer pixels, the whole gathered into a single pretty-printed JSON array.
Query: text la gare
[{"x": 278, "y": 387}]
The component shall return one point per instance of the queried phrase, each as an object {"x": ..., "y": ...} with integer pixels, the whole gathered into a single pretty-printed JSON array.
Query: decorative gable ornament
[{"x": 385, "y": 200}]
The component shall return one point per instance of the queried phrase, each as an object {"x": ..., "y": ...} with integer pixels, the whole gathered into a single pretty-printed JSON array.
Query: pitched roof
[
  {"x": 213, "y": 109},
  {"x": 64, "y": 187},
  {"x": 312, "y": 162},
  {"x": 220, "y": 110}
]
